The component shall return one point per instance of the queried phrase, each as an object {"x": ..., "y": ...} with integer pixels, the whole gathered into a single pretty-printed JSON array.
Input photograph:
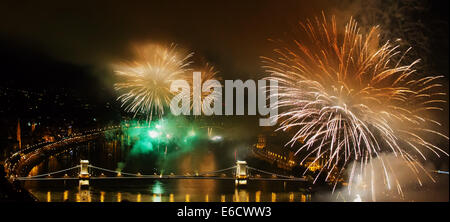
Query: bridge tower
[
  {"x": 84, "y": 173},
  {"x": 241, "y": 173}
]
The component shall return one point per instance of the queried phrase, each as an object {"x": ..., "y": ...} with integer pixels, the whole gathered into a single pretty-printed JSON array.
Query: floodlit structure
[
  {"x": 241, "y": 173},
  {"x": 84, "y": 173}
]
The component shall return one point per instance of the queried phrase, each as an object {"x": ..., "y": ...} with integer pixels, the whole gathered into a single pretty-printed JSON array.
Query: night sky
[
  {"x": 56, "y": 44},
  {"x": 59, "y": 40}
]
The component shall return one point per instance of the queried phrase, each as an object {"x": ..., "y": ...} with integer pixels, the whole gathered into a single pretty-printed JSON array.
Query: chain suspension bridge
[{"x": 85, "y": 172}]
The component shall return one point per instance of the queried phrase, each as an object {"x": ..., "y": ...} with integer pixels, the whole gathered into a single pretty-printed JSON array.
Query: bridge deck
[{"x": 123, "y": 175}]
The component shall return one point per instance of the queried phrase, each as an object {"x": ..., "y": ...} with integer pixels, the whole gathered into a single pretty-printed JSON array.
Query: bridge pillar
[
  {"x": 241, "y": 173},
  {"x": 84, "y": 173}
]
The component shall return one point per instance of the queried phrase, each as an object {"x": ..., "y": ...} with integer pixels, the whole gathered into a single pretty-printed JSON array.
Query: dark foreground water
[{"x": 171, "y": 191}]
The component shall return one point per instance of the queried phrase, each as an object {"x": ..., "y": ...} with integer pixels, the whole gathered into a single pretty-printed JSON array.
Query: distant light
[
  {"x": 192, "y": 133},
  {"x": 168, "y": 136},
  {"x": 158, "y": 126}
]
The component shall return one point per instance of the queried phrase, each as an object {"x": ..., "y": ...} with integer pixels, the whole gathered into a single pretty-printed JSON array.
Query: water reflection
[
  {"x": 241, "y": 196},
  {"x": 66, "y": 195},
  {"x": 111, "y": 196},
  {"x": 258, "y": 196},
  {"x": 49, "y": 196},
  {"x": 138, "y": 197},
  {"x": 84, "y": 196},
  {"x": 157, "y": 188}
]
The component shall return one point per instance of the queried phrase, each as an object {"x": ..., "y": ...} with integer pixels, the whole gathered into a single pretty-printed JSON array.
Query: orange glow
[{"x": 258, "y": 196}]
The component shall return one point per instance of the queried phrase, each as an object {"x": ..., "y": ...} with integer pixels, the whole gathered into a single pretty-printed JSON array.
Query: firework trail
[
  {"x": 145, "y": 82},
  {"x": 345, "y": 97}
]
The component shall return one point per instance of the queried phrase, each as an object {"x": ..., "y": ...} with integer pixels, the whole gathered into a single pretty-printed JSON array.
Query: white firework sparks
[
  {"x": 348, "y": 98},
  {"x": 145, "y": 82}
]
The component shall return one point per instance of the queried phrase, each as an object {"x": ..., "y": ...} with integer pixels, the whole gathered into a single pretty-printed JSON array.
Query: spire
[{"x": 18, "y": 134}]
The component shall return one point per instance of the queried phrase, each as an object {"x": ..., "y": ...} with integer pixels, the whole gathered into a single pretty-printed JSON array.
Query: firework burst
[
  {"x": 349, "y": 99},
  {"x": 145, "y": 82}
]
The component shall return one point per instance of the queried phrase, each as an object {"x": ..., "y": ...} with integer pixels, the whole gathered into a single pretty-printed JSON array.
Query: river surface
[{"x": 121, "y": 155}]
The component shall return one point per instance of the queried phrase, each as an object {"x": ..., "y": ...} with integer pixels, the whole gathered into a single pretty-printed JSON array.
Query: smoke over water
[{"x": 401, "y": 181}]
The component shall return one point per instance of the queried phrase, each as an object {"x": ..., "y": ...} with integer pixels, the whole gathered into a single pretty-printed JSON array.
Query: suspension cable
[
  {"x": 266, "y": 172},
  {"x": 217, "y": 171},
  {"x": 113, "y": 171},
  {"x": 131, "y": 174},
  {"x": 48, "y": 174},
  {"x": 137, "y": 175}
]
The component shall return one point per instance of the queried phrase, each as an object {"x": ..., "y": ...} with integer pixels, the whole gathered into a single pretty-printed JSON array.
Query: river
[{"x": 120, "y": 154}]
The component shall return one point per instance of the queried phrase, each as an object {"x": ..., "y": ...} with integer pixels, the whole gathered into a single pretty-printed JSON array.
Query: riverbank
[{"x": 13, "y": 192}]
